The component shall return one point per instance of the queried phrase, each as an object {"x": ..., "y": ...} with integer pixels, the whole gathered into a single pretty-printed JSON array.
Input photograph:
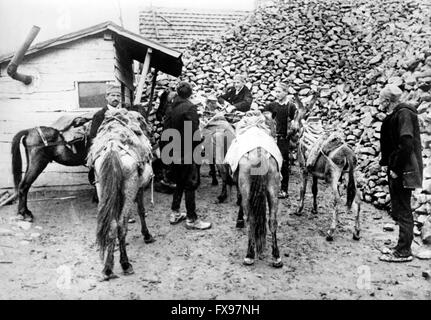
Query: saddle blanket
[
  {"x": 73, "y": 127},
  {"x": 250, "y": 139}
]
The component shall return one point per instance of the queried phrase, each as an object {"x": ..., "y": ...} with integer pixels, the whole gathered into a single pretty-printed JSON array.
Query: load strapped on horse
[
  {"x": 325, "y": 155},
  {"x": 255, "y": 160},
  {"x": 121, "y": 155}
]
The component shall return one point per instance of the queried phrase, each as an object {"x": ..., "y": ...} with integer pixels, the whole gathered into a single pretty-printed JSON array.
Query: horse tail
[
  {"x": 351, "y": 186},
  {"x": 111, "y": 200},
  {"x": 257, "y": 205},
  {"x": 16, "y": 157}
]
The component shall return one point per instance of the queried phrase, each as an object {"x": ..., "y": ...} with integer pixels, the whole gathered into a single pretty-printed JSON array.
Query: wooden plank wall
[
  {"x": 52, "y": 94},
  {"x": 124, "y": 71}
]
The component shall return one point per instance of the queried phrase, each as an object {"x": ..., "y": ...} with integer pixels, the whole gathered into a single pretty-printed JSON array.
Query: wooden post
[
  {"x": 153, "y": 87},
  {"x": 144, "y": 72}
]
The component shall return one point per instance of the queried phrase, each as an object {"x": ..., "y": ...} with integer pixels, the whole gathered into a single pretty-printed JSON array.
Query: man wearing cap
[
  {"x": 184, "y": 119},
  {"x": 238, "y": 96},
  {"x": 113, "y": 97},
  {"x": 283, "y": 111},
  {"x": 400, "y": 145}
]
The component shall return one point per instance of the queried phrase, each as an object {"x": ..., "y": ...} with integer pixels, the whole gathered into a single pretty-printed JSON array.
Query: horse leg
[
  {"x": 213, "y": 174},
  {"x": 356, "y": 206},
  {"x": 244, "y": 183},
  {"x": 224, "y": 176},
  {"x": 124, "y": 260},
  {"x": 148, "y": 238},
  {"x": 37, "y": 162},
  {"x": 314, "y": 189},
  {"x": 298, "y": 211},
  {"x": 240, "y": 219},
  {"x": 272, "y": 196},
  {"x": 108, "y": 272},
  {"x": 335, "y": 176}
]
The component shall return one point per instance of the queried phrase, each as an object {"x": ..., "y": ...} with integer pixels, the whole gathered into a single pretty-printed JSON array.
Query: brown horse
[
  {"x": 42, "y": 146},
  {"x": 121, "y": 154},
  {"x": 330, "y": 164}
]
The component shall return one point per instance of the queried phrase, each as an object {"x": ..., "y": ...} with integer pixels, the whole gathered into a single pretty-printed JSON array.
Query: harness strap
[
  {"x": 332, "y": 163},
  {"x": 42, "y": 136}
]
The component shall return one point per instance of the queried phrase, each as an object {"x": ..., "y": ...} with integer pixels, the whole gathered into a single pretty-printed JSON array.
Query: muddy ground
[{"x": 56, "y": 257}]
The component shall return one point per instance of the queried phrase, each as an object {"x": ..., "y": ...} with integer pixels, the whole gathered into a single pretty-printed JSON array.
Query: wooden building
[{"x": 70, "y": 74}]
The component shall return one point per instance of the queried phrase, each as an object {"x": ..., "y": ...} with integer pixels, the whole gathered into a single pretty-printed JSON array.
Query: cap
[
  {"x": 239, "y": 77},
  {"x": 283, "y": 86},
  {"x": 391, "y": 92},
  {"x": 113, "y": 88}
]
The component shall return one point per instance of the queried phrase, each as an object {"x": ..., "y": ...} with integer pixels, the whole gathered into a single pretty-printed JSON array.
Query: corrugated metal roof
[
  {"x": 177, "y": 28},
  {"x": 165, "y": 58}
]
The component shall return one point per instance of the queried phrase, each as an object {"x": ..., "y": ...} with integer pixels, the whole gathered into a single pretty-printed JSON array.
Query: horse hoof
[
  {"x": 314, "y": 211},
  {"x": 298, "y": 213},
  {"x": 277, "y": 263},
  {"x": 149, "y": 239},
  {"x": 356, "y": 236},
  {"x": 329, "y": 238},
  {"x": 128, "y": 270},
  {"x": 107, "y": 277},
  {"x": 240, "y": 224},
  {"x": 221, "y": 199},
  {"x": 248, "y": 261}
]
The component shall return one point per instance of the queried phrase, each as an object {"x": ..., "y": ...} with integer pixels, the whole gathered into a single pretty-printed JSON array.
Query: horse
[
  {"x": 121, "y": 156},
  {"x": 221, "y": 134},
  {"x": 259, "y": 183},
  {"x": 42, "y": 146},
  {"x": 257, "y": 173},
  {"x": 331, "y": 159}
]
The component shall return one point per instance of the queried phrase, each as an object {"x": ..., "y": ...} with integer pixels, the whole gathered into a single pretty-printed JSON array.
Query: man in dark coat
[
  {"x": 283, "y": 111},
  {"x": 113, "y": 97},
  {"x": 184, "y": 118},
  {"x": 402, "y": 153},
  {"x": 238, "y": 96}
]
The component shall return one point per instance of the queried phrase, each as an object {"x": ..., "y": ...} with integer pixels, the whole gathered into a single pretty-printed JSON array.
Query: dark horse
[{"x": 42, "y": 146}]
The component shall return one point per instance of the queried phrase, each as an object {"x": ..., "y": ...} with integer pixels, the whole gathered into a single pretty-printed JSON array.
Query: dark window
[{"x": 92, "y": 94}]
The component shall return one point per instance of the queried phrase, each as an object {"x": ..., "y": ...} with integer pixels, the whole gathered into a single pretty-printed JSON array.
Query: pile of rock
[{"x": 350, "y": 50}]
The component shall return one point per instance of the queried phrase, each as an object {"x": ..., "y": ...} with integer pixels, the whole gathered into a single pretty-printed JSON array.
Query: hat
[
  {"x": 113, "y": 88},
  {"x": 212, "y": 97},
  {"x": 283, "y": 86},
  {"x": 239, "y": 77},
  {"x": 391, "y": 92}
]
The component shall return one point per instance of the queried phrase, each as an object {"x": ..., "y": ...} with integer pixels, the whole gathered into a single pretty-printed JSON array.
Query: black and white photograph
[{"x": 227, "y": 151}]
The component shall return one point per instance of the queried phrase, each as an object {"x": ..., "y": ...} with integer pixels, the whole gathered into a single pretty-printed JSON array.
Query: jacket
[
  {"x": 184, "y": 118},
  {"x": 400, "y": 145},
  {"x": 283, "y": 114},
  {"x": 242, "y": 101}
]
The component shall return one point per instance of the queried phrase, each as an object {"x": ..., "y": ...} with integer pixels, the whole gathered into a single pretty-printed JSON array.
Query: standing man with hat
[
  {"x": 283, "y": 111},
  {"x": 238, "y": 96},
  {"x": 400, "y": 144}
]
